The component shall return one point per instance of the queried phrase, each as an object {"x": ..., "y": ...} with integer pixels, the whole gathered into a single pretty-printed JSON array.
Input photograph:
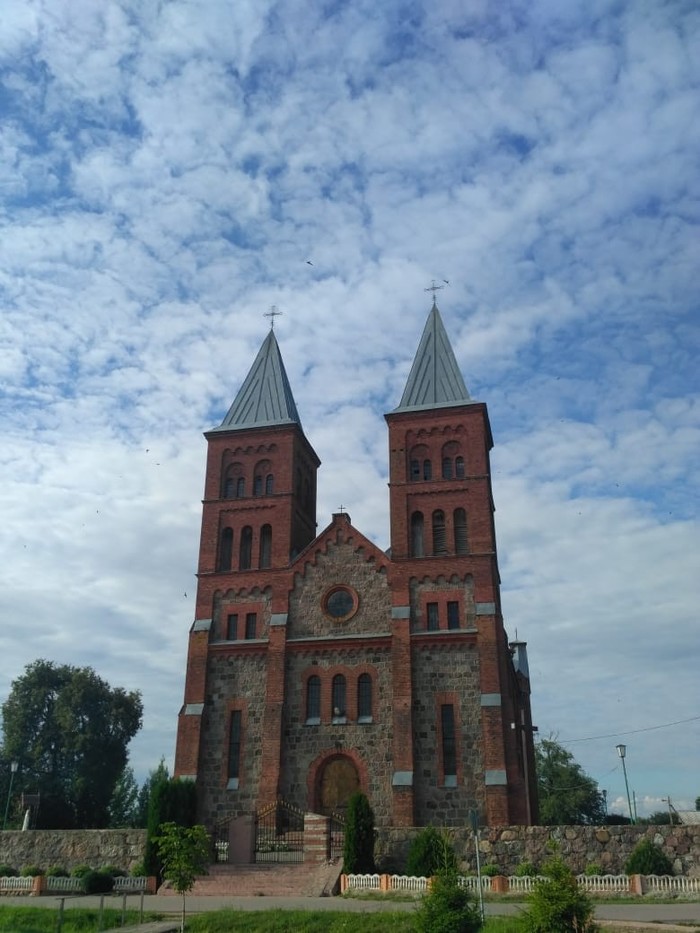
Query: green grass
[{"x": 75, "y": 919}]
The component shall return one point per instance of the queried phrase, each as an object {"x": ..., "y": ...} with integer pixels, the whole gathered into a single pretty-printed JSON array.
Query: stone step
[{"x": 266, "y": 880}]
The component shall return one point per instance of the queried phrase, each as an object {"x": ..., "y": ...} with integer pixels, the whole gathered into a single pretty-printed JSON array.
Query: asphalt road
[{"x": 681, "y": 913}]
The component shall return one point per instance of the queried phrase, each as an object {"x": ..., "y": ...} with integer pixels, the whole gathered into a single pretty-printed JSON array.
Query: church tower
[
  {"x": 319, "y": 664},
  {"x": 445, "y": 582}
]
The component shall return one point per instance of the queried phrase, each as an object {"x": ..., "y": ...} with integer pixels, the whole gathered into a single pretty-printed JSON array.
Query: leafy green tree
[
  {"x": 358, "y": 849},
  {"x": 69, "y": 732},
  {"x": 697, "y": 803},
  {"x": 173, "y": 800},
  {"x": 557, "y": 904},
  {"x": 161, "y": 773},
  {"x": 448, "y": 907},
  {"x": 431, "y": 851},
  {"x": 185, "y": 853},
  {"x": 123, "y": 807},
  {"x": 648, "y": 859},
  {"x": 567, "y": 795}
]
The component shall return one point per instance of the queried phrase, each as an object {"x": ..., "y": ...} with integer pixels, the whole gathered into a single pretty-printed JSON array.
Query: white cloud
[{"x": 167, "y": 171}]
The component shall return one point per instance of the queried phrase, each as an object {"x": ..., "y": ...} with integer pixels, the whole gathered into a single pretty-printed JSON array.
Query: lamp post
[
  {"x": 13, "y": 770},
  {"x": 622, "y": 751}
]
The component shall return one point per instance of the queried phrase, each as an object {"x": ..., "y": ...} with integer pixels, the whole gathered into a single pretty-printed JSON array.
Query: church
[{"x": 319, "y": 664}]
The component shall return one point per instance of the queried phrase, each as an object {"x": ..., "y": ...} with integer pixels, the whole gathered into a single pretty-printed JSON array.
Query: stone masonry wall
[
  {"x": 123, "y": 848},
  {"x": 508, "y": 846}
]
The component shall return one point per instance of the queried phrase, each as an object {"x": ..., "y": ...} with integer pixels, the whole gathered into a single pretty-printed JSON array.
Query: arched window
[
  {"x": 246, "y": 548},
  {"x": 269, "y": 484},
  {"x": 459, "y": 467},
  {"x": 240, "y": 487},
  {"x": 313, "y": 700},
  {"x": 460, "y": 529},
  {"x": 364, "y": 698},
  {"x": 447, "y": 468},
  {"x": 257, "y": 485},
  {"x": 232, "y": 476},
  {"x": 225, "y": 549},
  {"x": 417, "y": 549},
  {"x": 265, "y": 546},
  {"x": 419, "y": 462},
  {"x": 439, "y": 536},
  {"x": 338, "y": 693}
]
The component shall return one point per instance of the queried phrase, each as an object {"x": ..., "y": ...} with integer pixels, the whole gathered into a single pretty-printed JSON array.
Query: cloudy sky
[{"x": 169, "y": 168}]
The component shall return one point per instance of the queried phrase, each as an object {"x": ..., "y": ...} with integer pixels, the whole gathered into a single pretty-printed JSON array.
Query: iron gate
[
  {"x": 220, "y": 841},
  {"x": 336, "y": 830},
  {"x": 279, "y": 833}
]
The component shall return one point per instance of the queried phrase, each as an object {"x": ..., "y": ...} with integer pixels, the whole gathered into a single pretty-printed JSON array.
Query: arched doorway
[{"x": 338, "y": 781}]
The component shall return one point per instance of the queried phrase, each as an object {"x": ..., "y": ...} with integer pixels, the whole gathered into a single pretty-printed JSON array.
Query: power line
[{"x": 614, "y": 735}]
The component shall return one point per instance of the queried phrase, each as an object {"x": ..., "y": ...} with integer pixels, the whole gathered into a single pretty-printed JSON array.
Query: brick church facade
[{"x": 319, "y": 664}]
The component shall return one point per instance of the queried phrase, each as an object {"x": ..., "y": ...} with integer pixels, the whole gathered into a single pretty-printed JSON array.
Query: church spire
[
  {"x": 265, "y": 398},
  {"x": 435, "y": 380}
]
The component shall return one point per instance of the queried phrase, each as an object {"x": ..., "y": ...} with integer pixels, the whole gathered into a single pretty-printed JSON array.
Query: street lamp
[
  {"x": 622, "y": 751},
  {"x": 13, "y": 770}
]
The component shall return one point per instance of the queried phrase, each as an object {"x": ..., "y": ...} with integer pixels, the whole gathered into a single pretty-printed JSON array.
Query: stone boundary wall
[
  {"x": 508, "y": 846},
  {"x": 123, "y": 848}
]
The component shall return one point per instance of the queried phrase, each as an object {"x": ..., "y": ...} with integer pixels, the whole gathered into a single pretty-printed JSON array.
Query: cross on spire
[
  {"x": 272, "y": 314},
  {"x": 434, "y": 289}
]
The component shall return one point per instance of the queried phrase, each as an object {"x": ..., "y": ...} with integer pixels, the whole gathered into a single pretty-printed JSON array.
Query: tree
[
  {"x": 558, "y": 905},
  {"x": 123, "y": 807},
  {"x": 69, "y": 732},
  {"x": 358, "y": 849},
  {"x": 448, "y": 907},
  {"x": 431, "y": 851},
  {"x": 567, "y": 795},
  {"x": 161, "y": 773},
  {"x": 172, "y": 800},
  {"x": 185, "y": 853}
]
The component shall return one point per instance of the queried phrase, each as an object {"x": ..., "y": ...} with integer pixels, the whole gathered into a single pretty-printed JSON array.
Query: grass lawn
[{"x": 81, "y": 920}]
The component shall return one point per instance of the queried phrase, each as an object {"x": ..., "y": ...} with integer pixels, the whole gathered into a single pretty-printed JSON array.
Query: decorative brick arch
[{"x": 317, "y": 767}]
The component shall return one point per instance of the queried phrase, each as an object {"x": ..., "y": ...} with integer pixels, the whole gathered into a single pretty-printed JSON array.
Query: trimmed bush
[
  {"x": 526, "y": 870},
  {"x": 7, "y": 871},
  {"x": 114, "y": 871},
  {"x": 431, "y": 851},
  {"x": 593, "y": 869},
  {"x": 491, "y": 870},
  {"x": 138, "y": 871},
  {"x": 358, "y": 850},
  {"x": 448, "y": 907},
  {"x": 56, "y": 871},
  {"x": 80, "y": 871},
  {"x": 31, "y": 871},
  {"x": 97, "y": 882},
  {"x": 558, "y": 905},
  {"x": 648, "y": 859}
]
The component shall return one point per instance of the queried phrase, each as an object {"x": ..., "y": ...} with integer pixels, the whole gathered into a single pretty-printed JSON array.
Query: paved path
[{"x": 679, "y": 913}]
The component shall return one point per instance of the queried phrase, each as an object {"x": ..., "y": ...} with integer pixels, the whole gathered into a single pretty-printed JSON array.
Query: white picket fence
[
  {"x": 592, "y": 884},
  {"x": 16, "y": 884}
]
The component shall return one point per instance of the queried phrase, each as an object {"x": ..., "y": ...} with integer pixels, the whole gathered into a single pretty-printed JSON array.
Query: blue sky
[{"x": 167, "y": 172}]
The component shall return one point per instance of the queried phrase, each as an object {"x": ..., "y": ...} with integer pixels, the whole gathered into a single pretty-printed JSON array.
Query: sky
[{"x": 171, "y": 170}]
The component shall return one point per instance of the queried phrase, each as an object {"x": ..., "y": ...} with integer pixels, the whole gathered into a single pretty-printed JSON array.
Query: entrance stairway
[{"x": 299, "y": 880}]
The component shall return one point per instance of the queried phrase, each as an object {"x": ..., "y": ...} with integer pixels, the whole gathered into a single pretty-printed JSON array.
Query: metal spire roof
[
  {"x": 435, "y": 380},
  {"x": 265, "y": 398}
]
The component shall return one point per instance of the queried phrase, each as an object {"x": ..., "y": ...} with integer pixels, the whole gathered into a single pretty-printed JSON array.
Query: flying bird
[{"x": 309, "y": 263}]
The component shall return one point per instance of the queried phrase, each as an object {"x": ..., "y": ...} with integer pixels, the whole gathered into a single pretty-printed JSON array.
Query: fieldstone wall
[
  {"x": 123, "y": 848},
  {"x": 508, "y": 846}
]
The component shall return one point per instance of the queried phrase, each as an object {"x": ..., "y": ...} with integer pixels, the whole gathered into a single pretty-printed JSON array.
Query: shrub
[
  {"x": 593, "y": 869},
  {"x": 97, "y": 882},
  {"x": 138, "y": 871},
  {"x": 80, "y": 871},
  {"x": 31, "y": 871},
  {"x": 172, "y": 800},
  {"x": 431, "y": 851},
  {"x": 648, "y": 859},
  {"x": 490, "y": 870},
  {"x": 358, "y": 849},
  {"x": 7, "y": 871},
  {"x": 448, "y": 907},
  {"x": 114, "y": 871},
  {"x": 525, "y": 870},
  {"x": 56, "y": 871},
  {"x": 558, "y": 905}
]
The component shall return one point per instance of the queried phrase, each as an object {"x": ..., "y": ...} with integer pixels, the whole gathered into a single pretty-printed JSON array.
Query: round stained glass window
[{"x": 340, "y": 603}]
